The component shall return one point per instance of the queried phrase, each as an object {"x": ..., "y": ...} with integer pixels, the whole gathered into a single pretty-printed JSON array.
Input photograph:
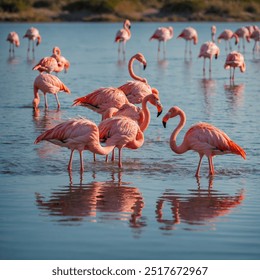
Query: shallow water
[{"x": 154, "y": 207}]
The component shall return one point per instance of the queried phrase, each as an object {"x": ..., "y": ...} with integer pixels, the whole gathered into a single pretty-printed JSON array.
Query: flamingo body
[
  {"x": 227, "y": 35},
  {"x": 13, "y": 38},
  {"x": 48, "y": 64},
  {"x": 208, "y": 50},
  {"x": 75, "y": 134},
  {"x": 33, "y": 35},
  {"x": 203, "y": 138},
  {"x": 162, "y": 34},
  {"x": 235, "y": 60},
  {"x": 244, "y": 34},
  {"x": 102, "y": 99},
  {"x": 189, "y": 34},
  {"x": 256, "y": 37},
  {"x": 47, "y": 83},
  {"x": 123, "y": 35}
]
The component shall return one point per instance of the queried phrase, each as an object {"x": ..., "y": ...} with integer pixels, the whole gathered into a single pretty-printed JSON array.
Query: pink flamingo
[
  {"x": 243, "y": 33},
  {"x": 233, "y": 60},
  {"x": 203, "y": 138},
  {"x": 136, "y": 90},
  {"x": 123, "y": 35},
  {"x": 48, "y": 64},
  {"x": 162, "y": 34},
  {"x": 47, "y": 83},
  {"x": 33, "y": 34},
  {"x": 189, "y": 34},
  {"x": 227, "y": 35},
  {"x": 213, "y": 33},
  {"x": 102, "y": 99},
  {"x": 256, "y": 37},
  {"x": 121, "y": 132},
  {"x": 56, "y": 53},
  {"x": 76, "y": 134},
  {"x": 13, "y": 38},
  {"x": 208, "y": 50}
]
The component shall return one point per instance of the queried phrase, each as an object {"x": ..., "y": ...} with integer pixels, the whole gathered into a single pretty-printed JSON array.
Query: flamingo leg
[
  {"x": 81, "y": 161},
  {"x": 190, "y": 48},
  {"x": 57, "y": 100},
  {"x": 94, "y": 157},
  {"x": 28, "y": 49},
  {"x": 211, "y": 166},
  {"x": 204, "y": 65},
  {"x": 210, "y": 65},
  {"x": 120, "y": 157},
  {"x": 70, "y": 161},
  {"x": 159, "y": 43},
  {"x": 198, "y": 168},
  {"x": 45, "y": 99},
  {"x": 113, "y": 155},
  {"x": 164, "y": 48},
  {"x": 186, "y": 43}
]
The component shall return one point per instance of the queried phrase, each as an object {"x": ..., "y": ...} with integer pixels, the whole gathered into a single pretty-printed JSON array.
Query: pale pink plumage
[
  {"x": 102, "y": 99},
  {"x": 256, "y": 37},
  {"x": 62, "y": 61},
  {"x": 47, "y": 83},
  {"x": 244, "y": 34},
  {"x": 203, "y": 138},
  {"x": 121, "y": 132},
  {"x": 13, "y": 38},
  {"x": 123, "y": 35},
  {"x": 76, "y": 134},
  {"x": 33, "y": 34},
  {"x": 48, "y": 64},
  {"x": 213, "y": 33},
  {"x": 235, "y": 60},
  {"x": 208, "y": 50},
  {"x": 189, "y": 34},
  {"x": 162, "y": 34},
  {"x": 136, "y": 90},
  {"x": 227, "y": 35}
]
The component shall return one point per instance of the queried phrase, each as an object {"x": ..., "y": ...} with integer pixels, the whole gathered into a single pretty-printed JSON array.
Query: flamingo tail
[{"x": 236, "y": 149}]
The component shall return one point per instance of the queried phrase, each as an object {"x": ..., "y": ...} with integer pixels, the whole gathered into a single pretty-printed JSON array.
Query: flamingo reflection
[
  {"x": 208, "y": 87},
  {"x": 197, "y": 208},
  {"x": 99, "y": 201},
  {"x": 235, "y": 94}
]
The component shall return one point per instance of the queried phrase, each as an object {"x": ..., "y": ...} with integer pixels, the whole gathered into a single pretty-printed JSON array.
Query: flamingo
[
  {"x": 33, "y": 34},
  {"x": 48, "y": 64},
  {"x": 56, "y": 53},
  {"x": 76, "y": 134},
  {"x": 227, "y": 35},
  {"x": 208, "y": 50},
  {"x": 47, "y": 83},
  {"x": 137, "y": 89},
  {"x": 203, "y": 138},
  {"x": 123, "y": 35},
  {"x": 13, "y": 38},
  {"x": 102, "y": 99},
  {"x": 233, "y": 60},
  {"x": 256, "y": 37},
  {"x": 121, "y": 132},
  {"x": 162, "y": 34},
  {"x": 213, "y": 33},
  {"x": 243, "y": 33},
  {"x": 189, "y": 34}
]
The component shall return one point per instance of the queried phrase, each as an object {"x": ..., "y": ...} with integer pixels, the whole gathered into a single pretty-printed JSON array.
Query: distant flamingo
[
  {"x": 121, "y": 132},
  {"x": 123, "y": 35},
  {"x": 13, "y": 38},
  {"x": 33, "y": 34},
  {"x": 234, "y": 60},
  {"x": 208, "y": 50},
  {"x": 203, "y": 138},
  {"x": 189, "y": 34},
  {"x": 76, "y": 134},
  {"x": 227, "y": 35},
  {"x": 102, "y": 99},
  {"x": 243, "y": 33},
  {"x": 56, "y": 53},
  {"x": 162, "y": 34},
  {"x": 136, "y": 90},
  {"x": 213, "y": 33},
  {"x": 256, "y": 37},
  {"x": 47, "y": 83}
]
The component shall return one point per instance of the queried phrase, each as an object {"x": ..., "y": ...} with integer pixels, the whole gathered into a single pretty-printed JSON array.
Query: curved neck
[
  {"x": 182, "y": 148},
  {"x": 138, "y": 142},
  {"x": 131, "y": 71},
  {"x": 98, "y": 149},
  {"x": 147, "y": 115}
]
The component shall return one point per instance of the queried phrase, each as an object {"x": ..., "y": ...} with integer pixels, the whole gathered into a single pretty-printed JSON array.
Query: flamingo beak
[
  {"x": 159, "y": 108},
  {"x": 144, "y": 66},
  {"x": 164, "y": 124},
  {"x": 165, "y": 119}
]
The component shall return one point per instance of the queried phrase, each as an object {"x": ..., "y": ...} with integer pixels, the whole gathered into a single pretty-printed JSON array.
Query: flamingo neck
[
  {"x": 182, "y": 148},
  {"x": 98, "y": 149},
  {"x": 138, "y": 142},
  {"x": 131, "y": 71},
  {"x": 147, "y": 115}
]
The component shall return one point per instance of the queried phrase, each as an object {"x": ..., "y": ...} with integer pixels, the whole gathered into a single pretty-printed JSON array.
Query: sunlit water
[{"x": 154, "y": 207}]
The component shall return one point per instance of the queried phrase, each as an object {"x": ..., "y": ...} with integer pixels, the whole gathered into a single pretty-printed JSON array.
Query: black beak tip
[
  {"x": 158, "y": 114},
  {"x": 144, "y": 66},
  {"x": 164, "y": 124}
]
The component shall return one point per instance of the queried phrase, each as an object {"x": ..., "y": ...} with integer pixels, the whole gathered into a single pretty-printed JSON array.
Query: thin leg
[
  {"x": 81, "y": 161},
  {"x": 164, "y": 48},
  {"x": 28, "y": 49},
  {"x": 204, "y": 65},
  {"x": 198, "y": 168},
  {"x": 57, "y": 100},
  {"x": 211, "y": 166},
  {"x": 159, "y": 46},
  {"x": 45, "y": 99},
  {"x": 210, "y": 65},
  {"x": 70, "y": 161},
  {"x": 94, "y": 157},
  {"x": 186, "y": 43},
  {"x": 120, "y": 158},
  {"x": 113, "y": 155}
]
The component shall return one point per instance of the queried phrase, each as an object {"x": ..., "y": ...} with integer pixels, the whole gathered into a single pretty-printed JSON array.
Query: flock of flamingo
[{"x": 123, "y": 123}]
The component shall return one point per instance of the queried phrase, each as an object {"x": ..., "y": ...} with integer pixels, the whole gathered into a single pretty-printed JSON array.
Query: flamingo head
[
  {"x": 39, "y": 39},
  {"x": 173, "y": 112},
  {"x": 140, "y": 57},
  {"x": 127, "y": 23},
  {"x": 155, "y": 100}
]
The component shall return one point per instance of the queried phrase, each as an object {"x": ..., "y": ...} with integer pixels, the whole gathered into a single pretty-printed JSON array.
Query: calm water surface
[{"x": 154, "y": 208}]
